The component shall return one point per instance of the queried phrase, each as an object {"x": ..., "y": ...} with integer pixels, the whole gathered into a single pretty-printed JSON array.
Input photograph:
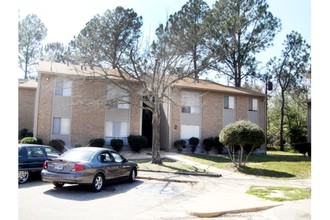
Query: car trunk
[{"x": 60, "y": 166}]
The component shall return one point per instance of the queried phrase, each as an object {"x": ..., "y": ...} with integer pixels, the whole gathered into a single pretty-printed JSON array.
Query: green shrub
[
  {"x": 303, "y": 148},
  {"x": 193, "y": 142},
  {"x": 24, "y": 132},
  {"x": 31, "y": 140},
  {"x": 208, "y": 144},
  {"x": 96, "y": 142},
  {"x": 218, "y": 145},
  {"x": 241, "y": 133},
  {"x": 136, "y": 142},
  {"x": 179, "y": 145},
  {"x": 57, "y": 144},
  {"x": 117, "y": 144}
]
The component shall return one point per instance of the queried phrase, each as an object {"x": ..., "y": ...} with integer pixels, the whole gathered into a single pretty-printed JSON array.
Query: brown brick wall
[
  {"x": 88, "y": 111},
  {"x": 212, "y": 112},
  {"x": 26, "y": 104},
  {"x": 241, "y": 108},
  {"x": 176, "y": 115},
  {"x": 45, "y": 107}
]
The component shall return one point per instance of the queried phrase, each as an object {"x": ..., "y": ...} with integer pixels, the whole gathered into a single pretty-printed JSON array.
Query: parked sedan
[
  {"x": 31, "y": 158},
  {"x": 90, "y": 166}
]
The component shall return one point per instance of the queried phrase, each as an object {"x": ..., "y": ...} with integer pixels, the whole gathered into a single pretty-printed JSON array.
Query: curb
[
  {"x": 219, "y": 213},
  {"x": 183, "y": 173},
  {"x": 166, "y": 179}
]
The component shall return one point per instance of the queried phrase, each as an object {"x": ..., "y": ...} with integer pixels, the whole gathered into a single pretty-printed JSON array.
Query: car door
[
  {"x": 123, "y": 167},
  {"x": 36, "y": 156},
  {"x": 108, "y": 164}
]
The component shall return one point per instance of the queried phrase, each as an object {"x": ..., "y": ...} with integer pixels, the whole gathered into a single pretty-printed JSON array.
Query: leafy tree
[
  {"x": 290, "y": 70},
  {"x": 187, "y": 33},
  {"x": 237, "y": 30},
  {"x": 241, "y": 133},
  {"x": 145, "y": 73},
  {"x": 108, "y": 38},
  {"x": 55, "y": 52},
  {"x": 31, "y": 32}
]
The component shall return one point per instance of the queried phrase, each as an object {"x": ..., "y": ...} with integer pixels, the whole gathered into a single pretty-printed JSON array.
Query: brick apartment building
[{"x": 70, "y": 105}]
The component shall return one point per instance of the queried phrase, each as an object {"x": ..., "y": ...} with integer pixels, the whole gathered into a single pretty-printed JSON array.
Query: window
[
  {"x": 35, "y": 152},
  {"x": 116, "y": 129},
  {"x": 190, "y": 102},
  {"x": 253, "y": 104},
  {"x": 229, "y": 102},
  {"x": 61, "y": 125},
  {"x": 63, "y": 88},
  {"x": 118, "y": 99},
  {"x": 118, "y": 158},
  {"x": 105, "y": 158}
]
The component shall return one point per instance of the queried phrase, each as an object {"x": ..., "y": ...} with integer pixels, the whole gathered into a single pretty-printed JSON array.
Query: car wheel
[
  {"x": 132, "y": 175},
  {"x": 98, "y": 182},
  {"x": 58, "y": 184},
  {"x": 23, "y": 176}
]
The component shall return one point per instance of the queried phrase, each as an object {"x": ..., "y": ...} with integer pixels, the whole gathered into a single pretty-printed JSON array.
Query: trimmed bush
[
  {"x": 117, "y": 144},
  {"x": 193, "y": 143},
  {"x": 179, "y": 145},
  {"x": 31, "y": 140},
  {"x": 24, "y": 132},
  {"x": 96, "y": 142},
  {"x": 136, "y": 142},
  {"x": 218, "y": 145},
  {"x": 57, "y": 144},
  {"x": 208, "y": 144},
  {"x": 241, "y": 133},
  {"x": 303, "y": 148}
]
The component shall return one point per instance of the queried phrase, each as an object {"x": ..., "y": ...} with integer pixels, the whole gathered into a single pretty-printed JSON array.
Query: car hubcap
[
  {"x": 98, "y": 182},
  {"x": 23, "y": 175}
]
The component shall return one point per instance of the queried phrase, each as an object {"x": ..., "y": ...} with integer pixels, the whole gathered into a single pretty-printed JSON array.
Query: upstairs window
[
  {"x": 253, "y": 104},
  {"x": 229, "y": 102},
  {"x": 61, "y": 125},
  {"x": 118, "y": 99},
  {"x": 190, "y": 102},
  {"x": 63, "y": 88}
]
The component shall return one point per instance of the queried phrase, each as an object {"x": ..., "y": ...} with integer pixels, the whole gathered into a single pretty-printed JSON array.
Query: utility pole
[{"x": 268, "y": 87}]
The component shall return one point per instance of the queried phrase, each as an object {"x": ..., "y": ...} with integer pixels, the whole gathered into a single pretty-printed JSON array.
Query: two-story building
[{"x": 71, "y": 105}]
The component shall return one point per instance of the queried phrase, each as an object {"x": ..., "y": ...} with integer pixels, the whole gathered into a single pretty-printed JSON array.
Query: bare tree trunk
[
  {"x": 240, "y": 160},
  {"x": 156, "y": 158}
]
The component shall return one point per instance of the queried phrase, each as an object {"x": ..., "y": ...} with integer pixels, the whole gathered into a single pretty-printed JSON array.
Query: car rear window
[{"x": 76, "y": 155}]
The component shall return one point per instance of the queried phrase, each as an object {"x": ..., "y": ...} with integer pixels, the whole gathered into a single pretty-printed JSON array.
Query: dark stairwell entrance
[{"x": 147, "y": 125}]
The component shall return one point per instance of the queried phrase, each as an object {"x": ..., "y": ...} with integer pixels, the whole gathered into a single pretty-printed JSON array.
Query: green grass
[
  {"x": 274, "y": 164},
  {"x": 168, "y": 166},
  {"x": 279, "y": 193}
]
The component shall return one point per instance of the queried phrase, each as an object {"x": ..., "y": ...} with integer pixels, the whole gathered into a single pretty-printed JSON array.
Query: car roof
[
  {"x": 39, "y": 145},
  {"x": 93, "y": 149}
]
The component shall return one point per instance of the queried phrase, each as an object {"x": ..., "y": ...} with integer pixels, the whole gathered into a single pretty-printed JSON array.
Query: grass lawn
[
  {"x": 279, "y": 193},
  {"x": 168, "y": 166},
  {"x": 274, "y": 164}
]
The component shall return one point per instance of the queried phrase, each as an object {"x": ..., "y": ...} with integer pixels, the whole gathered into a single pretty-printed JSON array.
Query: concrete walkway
[{"x": 225, "y": 194}]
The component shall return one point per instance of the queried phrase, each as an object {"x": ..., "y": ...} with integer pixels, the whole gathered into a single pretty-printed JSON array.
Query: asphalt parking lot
[{"x": 143, "y": 199}]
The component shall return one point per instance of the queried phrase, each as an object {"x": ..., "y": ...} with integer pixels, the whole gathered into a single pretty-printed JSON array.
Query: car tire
[
  {"x": 58, "y": 184},
  {"x": 23, "y": 176},
  {"x": 98, "y": 183},
  {"x": 132, "y": 175}
]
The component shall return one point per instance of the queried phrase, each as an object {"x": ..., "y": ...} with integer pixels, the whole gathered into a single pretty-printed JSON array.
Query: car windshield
[
  {"x": 78, "y": 155},
  {"x": 51, "y": 152}
]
